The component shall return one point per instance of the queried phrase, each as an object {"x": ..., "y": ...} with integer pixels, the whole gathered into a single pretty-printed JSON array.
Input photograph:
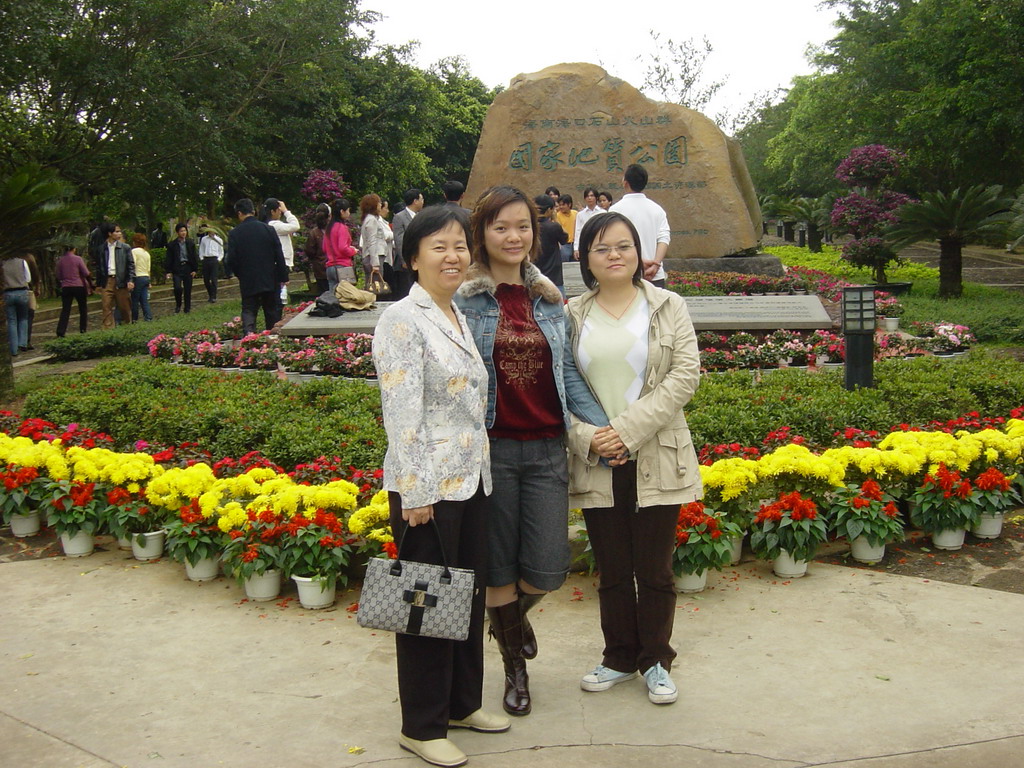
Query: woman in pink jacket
[{"x": 337, "y": 244}]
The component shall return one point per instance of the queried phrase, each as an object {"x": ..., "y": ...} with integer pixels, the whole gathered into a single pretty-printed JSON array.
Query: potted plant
[
  {"x": 314, "y": 550},
  {"x": 993, "y": 494},
  {"x": 788, "y": 531},
  {"x": 951, "y": 339},
  {"x": 164, "y": 347},
  {"x": 943, "y": 507},
  {"x": 253, "y": 555},
  {"x": 717, "y": 360},
  {"x": 77, "y": 513},
  {"x": 196, "y": 541},
  {"x": 18, "y": 506},
  {"x": 889, "y": 309},
  {"x": 703, "y": 543},
  {"x": 868, "y": 518},
  {"x": 731, "y": 487},
  {"x": 130, "y": 516}
]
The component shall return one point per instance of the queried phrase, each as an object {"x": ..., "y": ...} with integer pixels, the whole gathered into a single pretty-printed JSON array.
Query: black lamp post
[{"x": 859, "y": 335}]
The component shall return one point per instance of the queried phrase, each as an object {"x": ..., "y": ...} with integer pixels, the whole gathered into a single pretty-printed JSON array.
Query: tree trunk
[
  {"x": 813, "y": 238},
  {"x": 951, "y": 279},
  {"x": 788, "y": 231}
]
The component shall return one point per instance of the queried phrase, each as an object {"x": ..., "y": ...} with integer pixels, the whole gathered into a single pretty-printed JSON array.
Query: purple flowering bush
[
  {"x": 866, "y": 213},
  {"x": 870, "y": 165}
]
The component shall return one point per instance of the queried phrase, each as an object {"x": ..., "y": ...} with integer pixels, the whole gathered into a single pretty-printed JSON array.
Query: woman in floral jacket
[{"x": 437, "y": 470}]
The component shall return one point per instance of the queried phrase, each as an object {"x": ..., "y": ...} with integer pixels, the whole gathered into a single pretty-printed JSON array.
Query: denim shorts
[{"x": 528, "y": 529}]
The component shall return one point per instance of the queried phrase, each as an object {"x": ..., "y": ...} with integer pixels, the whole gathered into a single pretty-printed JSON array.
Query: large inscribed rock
[{"x": 575, "y": 126}]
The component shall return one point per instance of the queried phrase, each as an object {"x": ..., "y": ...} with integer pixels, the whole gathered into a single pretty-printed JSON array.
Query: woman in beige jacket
[{"x": 634, "y": 346}]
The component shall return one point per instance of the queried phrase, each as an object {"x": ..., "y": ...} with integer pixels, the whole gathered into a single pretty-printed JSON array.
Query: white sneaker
[
  {"x": 660, "y": 688},
  {"x": 603, "y": 678}
]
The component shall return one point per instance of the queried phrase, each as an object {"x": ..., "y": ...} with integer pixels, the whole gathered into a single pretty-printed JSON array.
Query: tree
[
  {"x": 938, "y": 78},
  {"x": 36, "y": 209},
  {"x": 954, "y": 220},
  {"x": 679, "y": 77},
  {"x": 869, "y": 208},
  {"x": 815, "y": 212}
]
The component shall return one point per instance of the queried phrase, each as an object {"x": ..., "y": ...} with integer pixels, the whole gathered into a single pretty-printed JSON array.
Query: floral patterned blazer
[{"x": 433, "y": 388}]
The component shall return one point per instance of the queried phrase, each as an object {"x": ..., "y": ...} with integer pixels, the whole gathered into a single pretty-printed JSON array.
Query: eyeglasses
[{"x": 623, "y": 249}]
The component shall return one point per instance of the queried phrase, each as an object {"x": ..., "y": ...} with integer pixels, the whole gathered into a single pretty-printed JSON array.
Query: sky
[{"x": 757, "y": 45}]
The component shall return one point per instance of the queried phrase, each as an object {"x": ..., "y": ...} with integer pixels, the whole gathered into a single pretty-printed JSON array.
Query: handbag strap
[{"x": 396, "y": 567}]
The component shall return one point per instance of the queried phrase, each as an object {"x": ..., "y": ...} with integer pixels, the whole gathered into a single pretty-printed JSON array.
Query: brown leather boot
[
  {"x": 507, "y": 629},
  {"x": 526, "y": 602}
]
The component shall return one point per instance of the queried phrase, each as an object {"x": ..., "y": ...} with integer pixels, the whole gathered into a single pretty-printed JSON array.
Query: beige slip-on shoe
[
  {"x": 435, "y": 751},
  {"x": 484, "y": 722}
]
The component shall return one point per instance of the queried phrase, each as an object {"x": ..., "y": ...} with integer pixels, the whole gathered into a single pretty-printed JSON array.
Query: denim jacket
[{"x": 477, "y": 301}]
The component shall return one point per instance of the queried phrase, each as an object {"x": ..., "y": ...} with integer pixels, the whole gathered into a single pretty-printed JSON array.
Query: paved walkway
[{"x": 108, "y": 662}]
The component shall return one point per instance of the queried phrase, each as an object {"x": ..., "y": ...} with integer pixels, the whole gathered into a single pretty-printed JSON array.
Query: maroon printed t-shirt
[{"x": 527, "y": 406}]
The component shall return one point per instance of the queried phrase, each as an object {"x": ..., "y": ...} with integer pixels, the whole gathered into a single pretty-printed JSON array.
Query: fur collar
[{"x": 479, "y": 280}]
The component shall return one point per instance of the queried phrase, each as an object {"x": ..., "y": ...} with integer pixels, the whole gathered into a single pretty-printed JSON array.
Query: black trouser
[
  {"x": 211, "y": 271},
  {"x": 402, "y": 283},
  {"x": 270, "y": 301},
  {"x": 182, "y": 289},
  {"x": 438, "y": 679},
  {"x": 67, "y": 295},
  {"x": 636, "y": 593}
]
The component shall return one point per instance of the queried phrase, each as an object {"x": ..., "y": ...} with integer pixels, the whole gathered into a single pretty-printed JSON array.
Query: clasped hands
[{"x": 607, "y": 443}]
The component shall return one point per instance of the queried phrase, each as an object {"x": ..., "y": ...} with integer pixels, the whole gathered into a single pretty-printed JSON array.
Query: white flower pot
[
  {"x": 891, "y": 324},
  {"x": 314, "y": 593},
  {"x": 79, "y": 545},
  {"x": 863, "y": 552},
  {"x": 266, "y": 586},
  {"x": 205, "y": 569},
  {"x": 787, "y": 567},
  {"x": 737, "y": 549},
  {"x": 689, "y": 583},
  {"x": 950, "y": 539},
  {"x": 987, "y": 527},
  {"x": 124, "y": 543},
  {"x": 151, "y": 546},
  {"x": 25, "y": 525}
]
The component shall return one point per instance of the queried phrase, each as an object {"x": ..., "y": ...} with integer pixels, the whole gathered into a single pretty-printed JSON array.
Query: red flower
[
  {"x": 391, "y": 549},
  {"x": 871, "y": 490}
]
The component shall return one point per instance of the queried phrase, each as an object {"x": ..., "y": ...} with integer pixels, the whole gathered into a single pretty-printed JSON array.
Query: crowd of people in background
[{"x": 333, "y": 246}]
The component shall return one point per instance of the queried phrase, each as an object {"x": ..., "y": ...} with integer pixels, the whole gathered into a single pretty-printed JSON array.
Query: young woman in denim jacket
[{"x": 518, "y": 323}]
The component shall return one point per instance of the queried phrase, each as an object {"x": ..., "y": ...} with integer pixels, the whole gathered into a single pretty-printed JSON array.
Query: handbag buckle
[{"x": 418, "y": 598}]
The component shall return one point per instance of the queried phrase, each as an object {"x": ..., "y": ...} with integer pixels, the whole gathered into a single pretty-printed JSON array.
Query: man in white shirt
[
  {"x": 211, "y": 254},
  {"x": 583, "y": 216},
  {"x": 650, "y": 221}
]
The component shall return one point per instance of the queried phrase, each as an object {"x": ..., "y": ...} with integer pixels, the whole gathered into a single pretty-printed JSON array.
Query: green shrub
[
  {"x": 232, "y": 414},
  {"x": 734, "y": 407},
  {"x": 227, "y": 414},
  {"x": 132, "y": 339},
  {"x": 829, "y": 261}
]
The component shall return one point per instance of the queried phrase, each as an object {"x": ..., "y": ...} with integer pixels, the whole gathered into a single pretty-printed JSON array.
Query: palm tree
[
  {"x": 36, "y": 208},
  {"x": 815, "y": 212},
  {"x": 953, "y": 220}
]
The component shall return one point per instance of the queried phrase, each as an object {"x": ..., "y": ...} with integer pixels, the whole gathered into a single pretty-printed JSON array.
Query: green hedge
[
  {"x": 733, "y": 407},
  {"x": 132, "y": 339},
  {"x": 227, "y": 414},
  {"x": 231, "y": 414}
]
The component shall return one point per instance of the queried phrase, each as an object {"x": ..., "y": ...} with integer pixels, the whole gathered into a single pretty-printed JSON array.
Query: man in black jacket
[
  {"x": 115, "y": 275},
  {"x": 256, "y": 259},
  {"x": 181, "y": 263}
]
